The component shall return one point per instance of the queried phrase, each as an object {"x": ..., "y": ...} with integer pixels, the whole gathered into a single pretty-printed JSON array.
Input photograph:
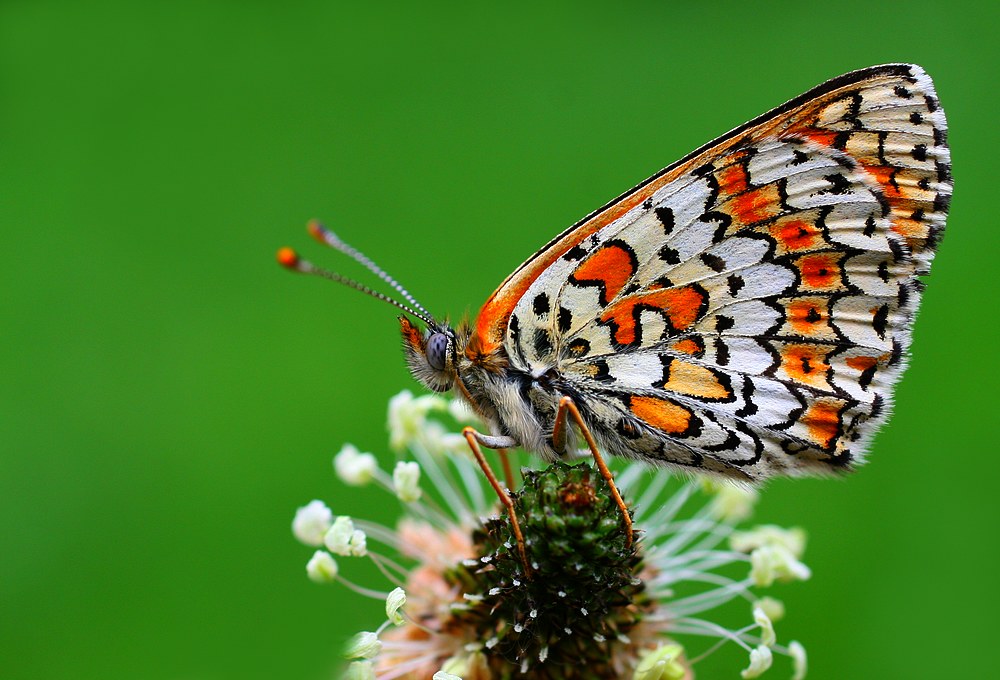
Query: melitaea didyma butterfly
[{"x": 746, "y": 311}]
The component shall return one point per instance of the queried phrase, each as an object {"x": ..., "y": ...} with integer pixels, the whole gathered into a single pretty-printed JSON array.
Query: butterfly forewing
[{"x": 748, "y": 310}]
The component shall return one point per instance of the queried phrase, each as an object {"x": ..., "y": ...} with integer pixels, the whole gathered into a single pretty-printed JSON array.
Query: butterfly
[{"x": 744, "y": 312}]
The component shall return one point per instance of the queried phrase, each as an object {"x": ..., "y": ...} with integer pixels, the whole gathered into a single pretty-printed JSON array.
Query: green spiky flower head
[{"x": 583, "y": 593}]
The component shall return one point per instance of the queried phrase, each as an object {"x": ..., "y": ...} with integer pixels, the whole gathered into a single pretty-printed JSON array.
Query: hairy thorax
[{"x": 511, "y": 401}]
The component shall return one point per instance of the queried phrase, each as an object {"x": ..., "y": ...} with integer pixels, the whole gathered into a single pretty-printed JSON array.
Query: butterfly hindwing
[{"x": 752, "y": 312}]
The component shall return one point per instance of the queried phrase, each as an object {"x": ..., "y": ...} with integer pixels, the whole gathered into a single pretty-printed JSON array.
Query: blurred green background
[{"x": 170, "y": 395}]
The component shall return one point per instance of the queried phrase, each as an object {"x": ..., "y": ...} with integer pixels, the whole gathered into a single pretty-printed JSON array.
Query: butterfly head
[{"x": 431, "y": 354}]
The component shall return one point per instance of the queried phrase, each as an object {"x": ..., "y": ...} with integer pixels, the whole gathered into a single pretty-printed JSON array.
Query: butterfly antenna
[
  {"x": 327, "y": 237},
  {"x": 289, "y": 259}
]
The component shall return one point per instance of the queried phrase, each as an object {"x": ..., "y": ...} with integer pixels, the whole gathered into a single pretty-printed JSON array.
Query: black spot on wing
[
  {"x": 721, "y": 352},
  {"x": 565, "y": 320},
  {"x": 669, "y": 255},
  {"x": 879, "y": 320},
  {"x": 735, "y": 282},
  {"x": 666, "y": 217},
  {"x": 838, "y": 184},
  {"x": 713, "y": 262},
  {"x": 541, "y": 305}
]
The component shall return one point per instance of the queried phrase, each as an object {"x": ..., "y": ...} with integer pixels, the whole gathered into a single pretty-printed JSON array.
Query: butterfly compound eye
[{"x": 437, "y": 350}]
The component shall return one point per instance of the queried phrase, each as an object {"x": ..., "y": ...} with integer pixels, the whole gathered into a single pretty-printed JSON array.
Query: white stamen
[
  {"x": 322, "y": 568},
  {"x": 760, "y": 661},
  {"x": 353, "y": 467},
  {"x": 311, "y": 522},
  {"x": 393, "y": 603},
  {"x": 406, "y": 481}
]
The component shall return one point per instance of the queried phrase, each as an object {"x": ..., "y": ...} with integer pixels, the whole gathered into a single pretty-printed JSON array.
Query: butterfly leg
[
  {"x": 475, "y": 439},
  {"x": 568, "y": 409}
]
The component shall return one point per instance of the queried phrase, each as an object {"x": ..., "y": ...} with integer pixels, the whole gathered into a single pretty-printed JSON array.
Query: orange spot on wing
[
  {"x": 883, "y": 174},
  {"x": 805, "y": 363},
  {"x": 796, "y": 234},
  {"x": 822, "y": 419},
  {"x": 695, "y": 381},
  {"x": 861, "y": 363},
  {"x": 754, "y": 206},
  {"x": 805, "y": 315},
  {"x": 611, "y": 266},
  {"x": 910, "y": 229},
  {"x": 822, "y": 137},
  {"x": 681, "y": 307},
  {"x": 820, "y": 271},
  {"x": 688, "y": 346},
  {"x": 732, "y": 179},
  {"x": 662, "y": 414}
]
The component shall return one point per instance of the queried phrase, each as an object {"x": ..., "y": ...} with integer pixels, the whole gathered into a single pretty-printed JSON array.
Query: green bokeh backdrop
[{"x": 169, "y": 396}]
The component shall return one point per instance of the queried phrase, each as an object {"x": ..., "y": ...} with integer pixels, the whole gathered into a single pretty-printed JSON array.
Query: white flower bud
[
  {"x": 760, "y": 661},
  {"x": 311, "y": 523},
  {"x": 441, "y": 675},
  {"x": 393, "y": 603},
  {"x": 353, "y": 467},
  {"x": 772, "y": 563},
  {"x": 343, "y": 539},
  {"x": 359, "y": 543},
  {"x": 662, "y": 663},
  {"x": 774, "y": 608},
  {"x": 408, "y": 414},
  {"x": 798, "y": 654},
  {"x": 359, "y": 670},
  {"x": 406, "y": 481},
  {"x": 793, "y": 540},
  {"x": 364, "y": 645},
  {"x": 455, "y": 666},
  {"x": 322, "y": 568},
  {"x": 767, "y": 636},
  {"x": 470, "y": 664}
]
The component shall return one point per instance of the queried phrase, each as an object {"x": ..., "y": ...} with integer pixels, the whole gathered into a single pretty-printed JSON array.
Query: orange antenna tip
[
  {"x": 316, "y": 230},
  {"x": 288, "y": 258}
]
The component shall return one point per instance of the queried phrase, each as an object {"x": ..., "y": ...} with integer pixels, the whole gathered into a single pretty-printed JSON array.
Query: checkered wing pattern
[{"x": 748, "y": 310}]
